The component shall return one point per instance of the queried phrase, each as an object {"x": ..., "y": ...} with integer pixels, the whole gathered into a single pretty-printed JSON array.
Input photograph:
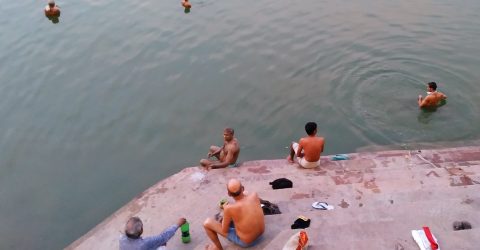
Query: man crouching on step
[{"x": 243, "y": 221}]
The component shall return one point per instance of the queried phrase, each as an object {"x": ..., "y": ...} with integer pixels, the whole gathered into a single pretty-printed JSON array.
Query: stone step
[
  {"x": 358, "y": 193},
  {"x": 377, "y": 235},
  {"x": 389, "y": 235},
  {"x": 460, "y": 240},
  {"x": 349, "y": 173},
  {"x": 424, "y": 212},
  {"x": 340, "y": 237}
]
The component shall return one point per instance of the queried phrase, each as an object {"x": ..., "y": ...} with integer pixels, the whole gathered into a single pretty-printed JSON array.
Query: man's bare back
[
  {"x": 243, "y": 221},
  {"x": 247, "y": 216},
  {"x": 308, "y": 149},
  {"x": 433, "y": 99},
  {"x": 312, "y": 147}
]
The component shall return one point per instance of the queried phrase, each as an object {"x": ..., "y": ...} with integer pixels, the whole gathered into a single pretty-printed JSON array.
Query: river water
[{"x": 120, "y": 94}]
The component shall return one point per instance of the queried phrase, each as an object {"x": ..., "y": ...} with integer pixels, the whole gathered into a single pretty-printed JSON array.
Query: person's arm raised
[{"x": 161, "y": 239}]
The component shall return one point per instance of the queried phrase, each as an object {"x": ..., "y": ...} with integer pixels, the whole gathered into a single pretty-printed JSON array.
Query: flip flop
[
  {"x": 322, "y": 206},
  {"x": 340, "y": 157}
]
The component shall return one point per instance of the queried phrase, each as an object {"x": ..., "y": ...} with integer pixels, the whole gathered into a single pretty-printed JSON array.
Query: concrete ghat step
[
  {"x": 266, "y": 173},
  {"x": 423, "y": 175},
  {"x": 386, "y": 159},
  {"x": 214, "y": 191},
  {"x": 194, "y": 193},
  {"x": 389, "y": 235},
  {"x": 339, "y": 237},
  {"x": 420, "y": 212},
  {"x": 377, "y": 235},
  {"x": 300, "y": 199}
]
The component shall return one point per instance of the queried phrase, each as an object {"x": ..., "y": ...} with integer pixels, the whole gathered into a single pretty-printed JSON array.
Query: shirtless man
[
  {"x": 52, "y": 10},
  {"x": 186, "y": 4},
  {"x": 243, "y": 221},
  {"x": 308, "y": 149},
  {"x": 433, "y": 97},
  {"x": 226, "y": 155}
]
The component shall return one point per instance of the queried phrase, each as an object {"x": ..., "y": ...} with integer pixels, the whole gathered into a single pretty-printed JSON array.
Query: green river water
[{"x": 121, "y": 94}]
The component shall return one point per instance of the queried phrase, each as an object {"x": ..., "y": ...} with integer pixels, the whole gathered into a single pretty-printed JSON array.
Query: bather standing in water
[
  {"x": 52, "y": 10},
  {"x": 433, "y": 97},
  {"x": 186, "y": 4}
]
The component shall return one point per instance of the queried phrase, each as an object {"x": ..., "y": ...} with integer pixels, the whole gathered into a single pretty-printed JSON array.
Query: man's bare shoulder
[
  {"x": 303, "y": 140},
  {"x": 233, "y": 145},
  {"x": 311, "y": 139},
  {"x": 228, "y": 208}
]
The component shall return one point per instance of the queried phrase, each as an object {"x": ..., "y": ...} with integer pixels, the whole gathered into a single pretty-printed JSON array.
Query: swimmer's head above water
[
  {"x": 432, "y": 86},
  {"x": 433, "y": 97}
]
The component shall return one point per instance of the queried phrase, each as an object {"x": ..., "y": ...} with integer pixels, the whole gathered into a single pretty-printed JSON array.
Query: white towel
[{"x": 422, "y": 241}]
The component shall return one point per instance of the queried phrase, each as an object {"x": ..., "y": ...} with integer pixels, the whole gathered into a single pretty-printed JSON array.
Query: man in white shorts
[{"x": 308, "y": 149}]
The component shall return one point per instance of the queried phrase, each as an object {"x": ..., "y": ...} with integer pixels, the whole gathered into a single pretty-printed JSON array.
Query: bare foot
[{"x": 289, "y": 159}]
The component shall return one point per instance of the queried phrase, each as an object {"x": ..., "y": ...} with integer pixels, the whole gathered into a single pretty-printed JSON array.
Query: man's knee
[
  {"x": 213, "y": 148},
  {"x": 204, "y": 162},
  {"x": 207, "y": 224}
]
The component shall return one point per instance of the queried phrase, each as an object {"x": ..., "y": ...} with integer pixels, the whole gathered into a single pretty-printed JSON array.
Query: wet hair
[
  {"x": 134, "y": 228},
  {"x": 310, "y": 128},
  {"x": 51, "y": 3},
  {"x": 432, "y": 85},
  {"x": 229, "y": 130}
]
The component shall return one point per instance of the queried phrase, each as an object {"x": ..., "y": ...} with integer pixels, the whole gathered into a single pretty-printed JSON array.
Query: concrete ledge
[{"x": 378, "y": 197}]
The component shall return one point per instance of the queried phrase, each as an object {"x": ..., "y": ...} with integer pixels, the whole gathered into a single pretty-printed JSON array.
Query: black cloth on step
[
  {"x": 281, "y": 183},
  {"x": 300, "y": 223},
  {"x": 269, "y": 208}
]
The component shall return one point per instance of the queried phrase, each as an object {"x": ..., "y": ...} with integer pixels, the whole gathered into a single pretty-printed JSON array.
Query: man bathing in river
[
  {"x": 52, "y": 10},
  {"x": 226, "y": 155},
  {"x": 186, "y": 4},
  {"x": 308, "y": 149},
  {"x": 433, "y": 97},
  {"x": 243, "y": 222}
]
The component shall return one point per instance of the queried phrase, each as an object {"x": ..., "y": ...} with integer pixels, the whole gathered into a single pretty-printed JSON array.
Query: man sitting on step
[
  {"x": 243, "y": 221},
  {"x": 132, "y": 240},
  {"x": 308, "y": 149}
]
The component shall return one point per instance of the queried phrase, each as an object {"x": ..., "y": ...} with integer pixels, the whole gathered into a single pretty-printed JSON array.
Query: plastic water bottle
[{"x": 185, "y": 228}]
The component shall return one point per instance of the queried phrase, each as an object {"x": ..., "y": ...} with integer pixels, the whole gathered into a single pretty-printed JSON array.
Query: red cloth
[
  {"x": 302, "y": 240},
  {"x": 430, "y": 238}
]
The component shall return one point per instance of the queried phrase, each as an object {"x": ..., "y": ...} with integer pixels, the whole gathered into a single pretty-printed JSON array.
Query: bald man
[{"x": 243, "y": 221}]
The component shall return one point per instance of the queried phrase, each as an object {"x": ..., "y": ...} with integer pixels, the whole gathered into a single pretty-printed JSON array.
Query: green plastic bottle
[{"x": 185, "y": 228}]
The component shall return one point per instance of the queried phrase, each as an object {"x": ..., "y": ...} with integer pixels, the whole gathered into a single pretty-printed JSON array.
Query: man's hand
[
  {"x": 420, "y": 100},
  {"x": 181, "y": 221}
]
